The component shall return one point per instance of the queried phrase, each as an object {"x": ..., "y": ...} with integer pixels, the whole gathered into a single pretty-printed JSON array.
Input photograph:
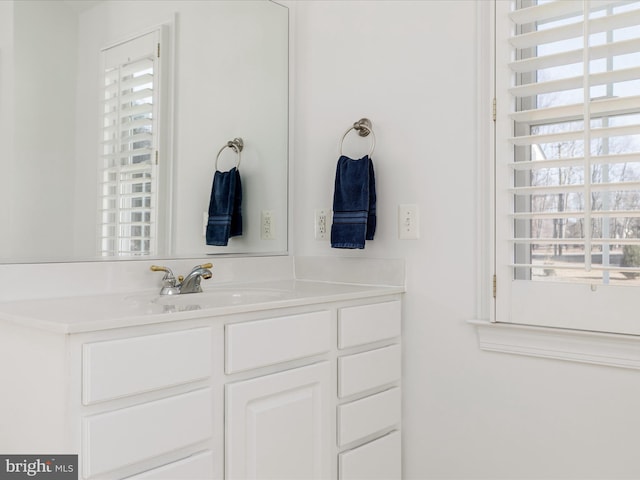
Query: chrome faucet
[{"x": 189, "y": 284}]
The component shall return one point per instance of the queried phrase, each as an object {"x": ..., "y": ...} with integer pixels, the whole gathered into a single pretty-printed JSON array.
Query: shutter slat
[
  {"x": 136, "y": 81},
  {"x": 576, "y": 266},
  {"x": 575, "y": 30},
  {"x": 542, "y": 164},
  {"x": 138, "y": 123},
  {"x": 551, "y": 11},
  {"x": 567, "y": 113},
  {"x": 569, "y": 57},
  {"x": 573, "y": 83},
  {"x": 126, "y": 140},
  {"x": 577, "y": 161},
  {"x": 129, "y": 169},
  {"x": 130, "y": 97},
  {"x": 576, "y": 188},
  {"x": 605, "y": 132},
  {"x": 128, "y": 155},
  {"x": 126, "y": 210},
  {"x": 577, "y": 241},
  {"x": 580, "y": 214}
]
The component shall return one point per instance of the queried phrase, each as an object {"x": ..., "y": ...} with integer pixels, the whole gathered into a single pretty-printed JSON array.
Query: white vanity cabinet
[{"x": 289, "y": 392}]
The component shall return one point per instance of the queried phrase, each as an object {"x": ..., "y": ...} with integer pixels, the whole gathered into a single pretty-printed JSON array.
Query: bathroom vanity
[{"x": 285, "y": 379}]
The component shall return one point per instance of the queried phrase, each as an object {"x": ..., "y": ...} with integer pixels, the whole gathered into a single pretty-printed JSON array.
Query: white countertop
[{"x": 99, "y": 312}]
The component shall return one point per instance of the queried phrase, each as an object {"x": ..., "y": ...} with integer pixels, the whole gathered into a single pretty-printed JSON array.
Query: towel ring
[
  {"x": 364, "y": 128},
  {"x": 236, "y": 145}
]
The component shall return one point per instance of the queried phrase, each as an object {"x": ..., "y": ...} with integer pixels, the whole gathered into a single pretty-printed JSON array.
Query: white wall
[
  {"x": 410, "y": 66},
  {"x": 38, "y": 67},
  {"x": 6, "y": 118}
]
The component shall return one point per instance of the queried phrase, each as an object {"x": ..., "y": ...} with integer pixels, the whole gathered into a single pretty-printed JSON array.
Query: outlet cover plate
[{"x": 408, "y": 222}]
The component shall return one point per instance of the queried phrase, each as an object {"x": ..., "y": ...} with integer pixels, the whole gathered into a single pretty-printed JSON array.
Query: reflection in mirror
[
  {"x": 109, "y": 152},
  {"x": 132, "y": 139}
]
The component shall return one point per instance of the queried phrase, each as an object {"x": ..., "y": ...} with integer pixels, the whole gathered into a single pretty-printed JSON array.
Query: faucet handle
[
  {"x": 168, "y": 275},
  {"x": 159, "y": 268},
  {"x": 169, "y": 284}
]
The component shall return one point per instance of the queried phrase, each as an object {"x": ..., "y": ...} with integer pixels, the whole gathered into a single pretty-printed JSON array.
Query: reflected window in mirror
[{"x": 129, "y": 171}]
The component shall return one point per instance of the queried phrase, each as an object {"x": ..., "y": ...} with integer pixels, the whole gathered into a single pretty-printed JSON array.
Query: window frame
[{"x": 569, "y": 342}]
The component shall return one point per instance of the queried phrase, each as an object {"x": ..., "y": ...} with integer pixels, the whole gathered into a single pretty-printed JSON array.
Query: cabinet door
[{"x": 278, "y": 425}]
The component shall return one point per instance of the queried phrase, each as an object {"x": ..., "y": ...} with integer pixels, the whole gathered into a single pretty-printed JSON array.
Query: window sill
[{"x": 561, "y": 344}]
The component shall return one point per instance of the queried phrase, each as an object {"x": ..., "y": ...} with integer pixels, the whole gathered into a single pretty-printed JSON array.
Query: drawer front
[
  {"x": 115, "y": 439},
  {"x": 369, "y": 415},
  {"x": 118, "y": 368},
  {"x": 276, "y": 340},
  {"x": 195, "y": 467},
  {"x": 368, "y": 323},
  {"x": 380, "y": 459},
  {"x": 372, "y": 369}
]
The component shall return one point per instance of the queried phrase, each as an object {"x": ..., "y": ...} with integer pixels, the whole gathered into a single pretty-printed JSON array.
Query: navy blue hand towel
[
  {"x": 225, "y": 208},
  {"x": 354, "y": 203}
]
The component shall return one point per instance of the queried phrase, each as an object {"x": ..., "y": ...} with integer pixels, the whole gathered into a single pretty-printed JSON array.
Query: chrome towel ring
[
  {"x": 364, "y": 128},
  {"x": 236, "y": 145}
]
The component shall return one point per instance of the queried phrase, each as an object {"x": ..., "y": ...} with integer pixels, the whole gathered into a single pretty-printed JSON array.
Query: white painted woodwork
[
  {"x": 129, "y": 435},
  {"x": 597, "y": 348},
  {"x": 372, "y": 369},
  {"x": 195, "y": 467},
  {"x": 33, "y": 375},
  {"x": 379, "y": 459},
  {"x": 368, "y": 323},
  {"x": 152, "y": 402},
  {"x": 276, "y": 340},
  {"x": 369, "y": 415},
  {"x": 278, "y": 425},
  {"x": 128, "y": 366}
]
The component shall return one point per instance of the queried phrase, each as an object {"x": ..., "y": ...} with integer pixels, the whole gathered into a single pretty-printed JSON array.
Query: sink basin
[{"x": 219, "y": 297}]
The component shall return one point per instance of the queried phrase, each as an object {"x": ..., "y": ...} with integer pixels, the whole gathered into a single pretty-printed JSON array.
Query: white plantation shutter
[
  {"x": 129, "y": 171},
  {"x": 568, "y": 162}
]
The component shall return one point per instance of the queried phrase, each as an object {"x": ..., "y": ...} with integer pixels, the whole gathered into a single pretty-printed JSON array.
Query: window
[
  {"x": 128, "y": 190},
  {"x": 567, "y": 164}
]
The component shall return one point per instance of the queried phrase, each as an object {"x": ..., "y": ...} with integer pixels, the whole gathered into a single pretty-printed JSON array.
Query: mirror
[{"x": 223, "y": 75}]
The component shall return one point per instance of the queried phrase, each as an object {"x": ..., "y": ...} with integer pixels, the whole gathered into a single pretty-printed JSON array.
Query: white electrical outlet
[
  {"x": 267, "y": 225},
  {"x": 322, "y": 223},
  {"x": 408, "y": 222}
]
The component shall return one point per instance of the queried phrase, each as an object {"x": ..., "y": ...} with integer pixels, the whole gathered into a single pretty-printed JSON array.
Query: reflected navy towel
[
  {"x": 354, "y": 203},
  {"x": 225, "y": 208}
]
